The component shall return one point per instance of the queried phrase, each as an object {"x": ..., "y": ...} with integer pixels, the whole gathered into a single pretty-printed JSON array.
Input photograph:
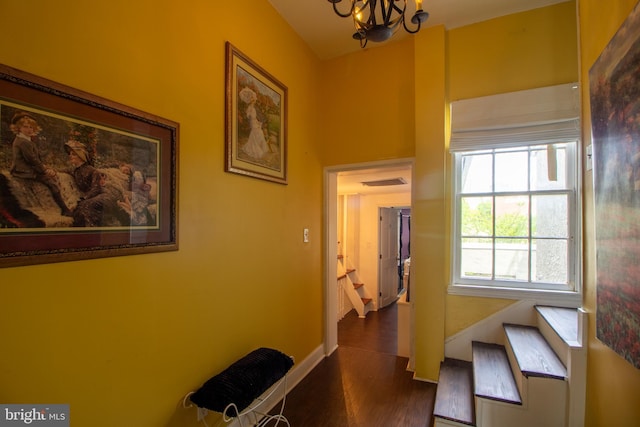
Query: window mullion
[
  {"x": 530, "y": 238},
  {"x": 493, "y": 215}
]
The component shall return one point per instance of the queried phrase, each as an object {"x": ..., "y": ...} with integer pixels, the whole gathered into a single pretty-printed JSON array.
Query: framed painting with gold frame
[{"x": 255, "y": 120}]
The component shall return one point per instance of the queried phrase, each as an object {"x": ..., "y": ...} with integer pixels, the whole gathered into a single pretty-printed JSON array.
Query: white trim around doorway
[{"x": 330, "y": 238}]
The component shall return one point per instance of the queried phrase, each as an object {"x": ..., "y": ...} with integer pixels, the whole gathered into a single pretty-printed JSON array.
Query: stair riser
[
  {"x": 496, "y": 414},
  {"x": 559, "y": 346},
  {"x": 545, "y": 406},
  {"x": 573, "y": 355},
  {"x": 439, "y": 422},
  {"x": 520, "y": 379},
  {"x": 548, "y": 400}
]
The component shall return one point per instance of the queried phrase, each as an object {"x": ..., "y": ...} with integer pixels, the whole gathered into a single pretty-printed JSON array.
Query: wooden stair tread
[
  {"x": 492, "y": 373},
  {"x": 533, "y": 353},
  {"x": 454, "y": 395},
  {"x": 358, "y": 285},
  {"x": 563, "y": 320},
  {"x": 366, "y": 301},
  {"x": 346, "y": 273},
  {"x": 349, "y": 270}
]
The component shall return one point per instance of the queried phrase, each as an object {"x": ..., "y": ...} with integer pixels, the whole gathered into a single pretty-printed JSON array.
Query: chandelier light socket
[
  {"x": 419, "y": 17},
  {"x": 359, "y": 35}
]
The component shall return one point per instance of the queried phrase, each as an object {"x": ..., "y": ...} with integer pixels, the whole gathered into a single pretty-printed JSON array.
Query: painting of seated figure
[{"x": 81, "y": 176}]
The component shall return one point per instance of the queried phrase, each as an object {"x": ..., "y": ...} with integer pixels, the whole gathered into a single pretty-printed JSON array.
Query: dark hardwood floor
[
  {"x": 377, "y": 332},
  {"x": 363, "y": 383}
]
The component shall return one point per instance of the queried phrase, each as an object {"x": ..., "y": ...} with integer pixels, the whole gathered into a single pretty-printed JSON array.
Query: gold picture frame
[{"x": 255, "y": 120}]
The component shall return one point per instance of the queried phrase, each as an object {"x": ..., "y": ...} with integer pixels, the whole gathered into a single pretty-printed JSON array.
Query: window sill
[{"x": 542, "y": 296}]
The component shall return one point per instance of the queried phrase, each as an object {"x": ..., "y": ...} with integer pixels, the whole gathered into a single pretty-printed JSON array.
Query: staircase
[
  {"x": 533, "y": 376},
  {"x": 355, "y": 290}
]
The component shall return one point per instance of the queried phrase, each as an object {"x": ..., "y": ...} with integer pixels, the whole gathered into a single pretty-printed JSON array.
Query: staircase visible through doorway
[{"x": 349, "y": 284}]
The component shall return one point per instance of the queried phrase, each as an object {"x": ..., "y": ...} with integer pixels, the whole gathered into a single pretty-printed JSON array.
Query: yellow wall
[
  {"x": 123, "y": 339},
  {"x": 367, "y": 105},
  {"x": 521, "y": 51},
  {"x": 613, "y": 385},
  {"x": 428, "y": 231}
]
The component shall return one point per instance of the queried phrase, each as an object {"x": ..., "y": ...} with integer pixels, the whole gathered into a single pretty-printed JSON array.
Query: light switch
[{"x": 305, "y": 235}]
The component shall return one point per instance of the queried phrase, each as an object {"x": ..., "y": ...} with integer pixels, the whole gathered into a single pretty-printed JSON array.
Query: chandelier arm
[
  {"x": 340, "y": 14},
  {"x": 408, "y": 30},
  {"x": 372, "y": 12},
  {"x": 397, "y": 9},
  {"x": 386, "y": 14},
  {"x": 392, "y": 23}
]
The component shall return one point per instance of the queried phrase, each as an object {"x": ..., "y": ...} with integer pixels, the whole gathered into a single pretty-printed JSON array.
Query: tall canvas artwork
[{"x": 615, "y": 116}]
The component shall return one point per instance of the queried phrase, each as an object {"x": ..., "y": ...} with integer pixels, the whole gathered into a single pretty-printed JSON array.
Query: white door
[{"x": 388, "y": 275}]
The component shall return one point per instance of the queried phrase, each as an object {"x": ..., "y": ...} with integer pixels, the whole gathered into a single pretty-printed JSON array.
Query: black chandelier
[{"x": 380, "y": 23}]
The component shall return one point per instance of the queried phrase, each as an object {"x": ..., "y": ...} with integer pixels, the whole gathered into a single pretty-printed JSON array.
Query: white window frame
[{"x": 535, "y": 117}]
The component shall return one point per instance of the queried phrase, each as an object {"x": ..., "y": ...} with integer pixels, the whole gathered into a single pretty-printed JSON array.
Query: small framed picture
[{"x": 256, "y": 120}]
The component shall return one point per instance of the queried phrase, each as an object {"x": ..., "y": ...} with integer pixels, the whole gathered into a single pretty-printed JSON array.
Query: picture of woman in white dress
[{"x": 256, "y": 146}]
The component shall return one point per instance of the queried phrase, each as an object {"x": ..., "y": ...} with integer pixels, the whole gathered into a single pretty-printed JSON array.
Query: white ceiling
[
  {"x": 350, "y": 181},
  {"x": 329, "y": 36}
]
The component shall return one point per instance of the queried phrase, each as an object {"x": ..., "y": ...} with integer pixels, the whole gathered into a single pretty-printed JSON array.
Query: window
[
  {"x": 515, "y": 201},
  {"x": 515, "y": 210}
]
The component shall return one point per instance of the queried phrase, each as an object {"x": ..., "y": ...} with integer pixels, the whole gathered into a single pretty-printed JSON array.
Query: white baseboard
[{"x": 302, "y": 369}]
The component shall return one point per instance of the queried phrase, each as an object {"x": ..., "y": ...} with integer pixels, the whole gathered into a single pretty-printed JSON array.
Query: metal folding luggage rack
[{"x": 242, "y": 392}]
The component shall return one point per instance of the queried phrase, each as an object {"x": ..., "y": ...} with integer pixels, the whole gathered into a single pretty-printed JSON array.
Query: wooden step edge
[
  {"x": 563, "y": 320},
  {"x": 358, "y": 285},
  {"x": 340, "y": 256},
  {"x": 342, "y": 276},
  {"x": 454, "y": 396},
  {"x": 534, "y": 355},
  {"x": 492, "y": 375},
  {"x": 366, "y": 301},
  {"x": 350, "y": 270}
]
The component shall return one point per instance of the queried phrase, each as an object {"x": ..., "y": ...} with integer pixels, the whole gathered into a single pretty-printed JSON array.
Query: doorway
[
  {"x": 390, "y": 265},
  {"x": 368, "y": 184}
]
